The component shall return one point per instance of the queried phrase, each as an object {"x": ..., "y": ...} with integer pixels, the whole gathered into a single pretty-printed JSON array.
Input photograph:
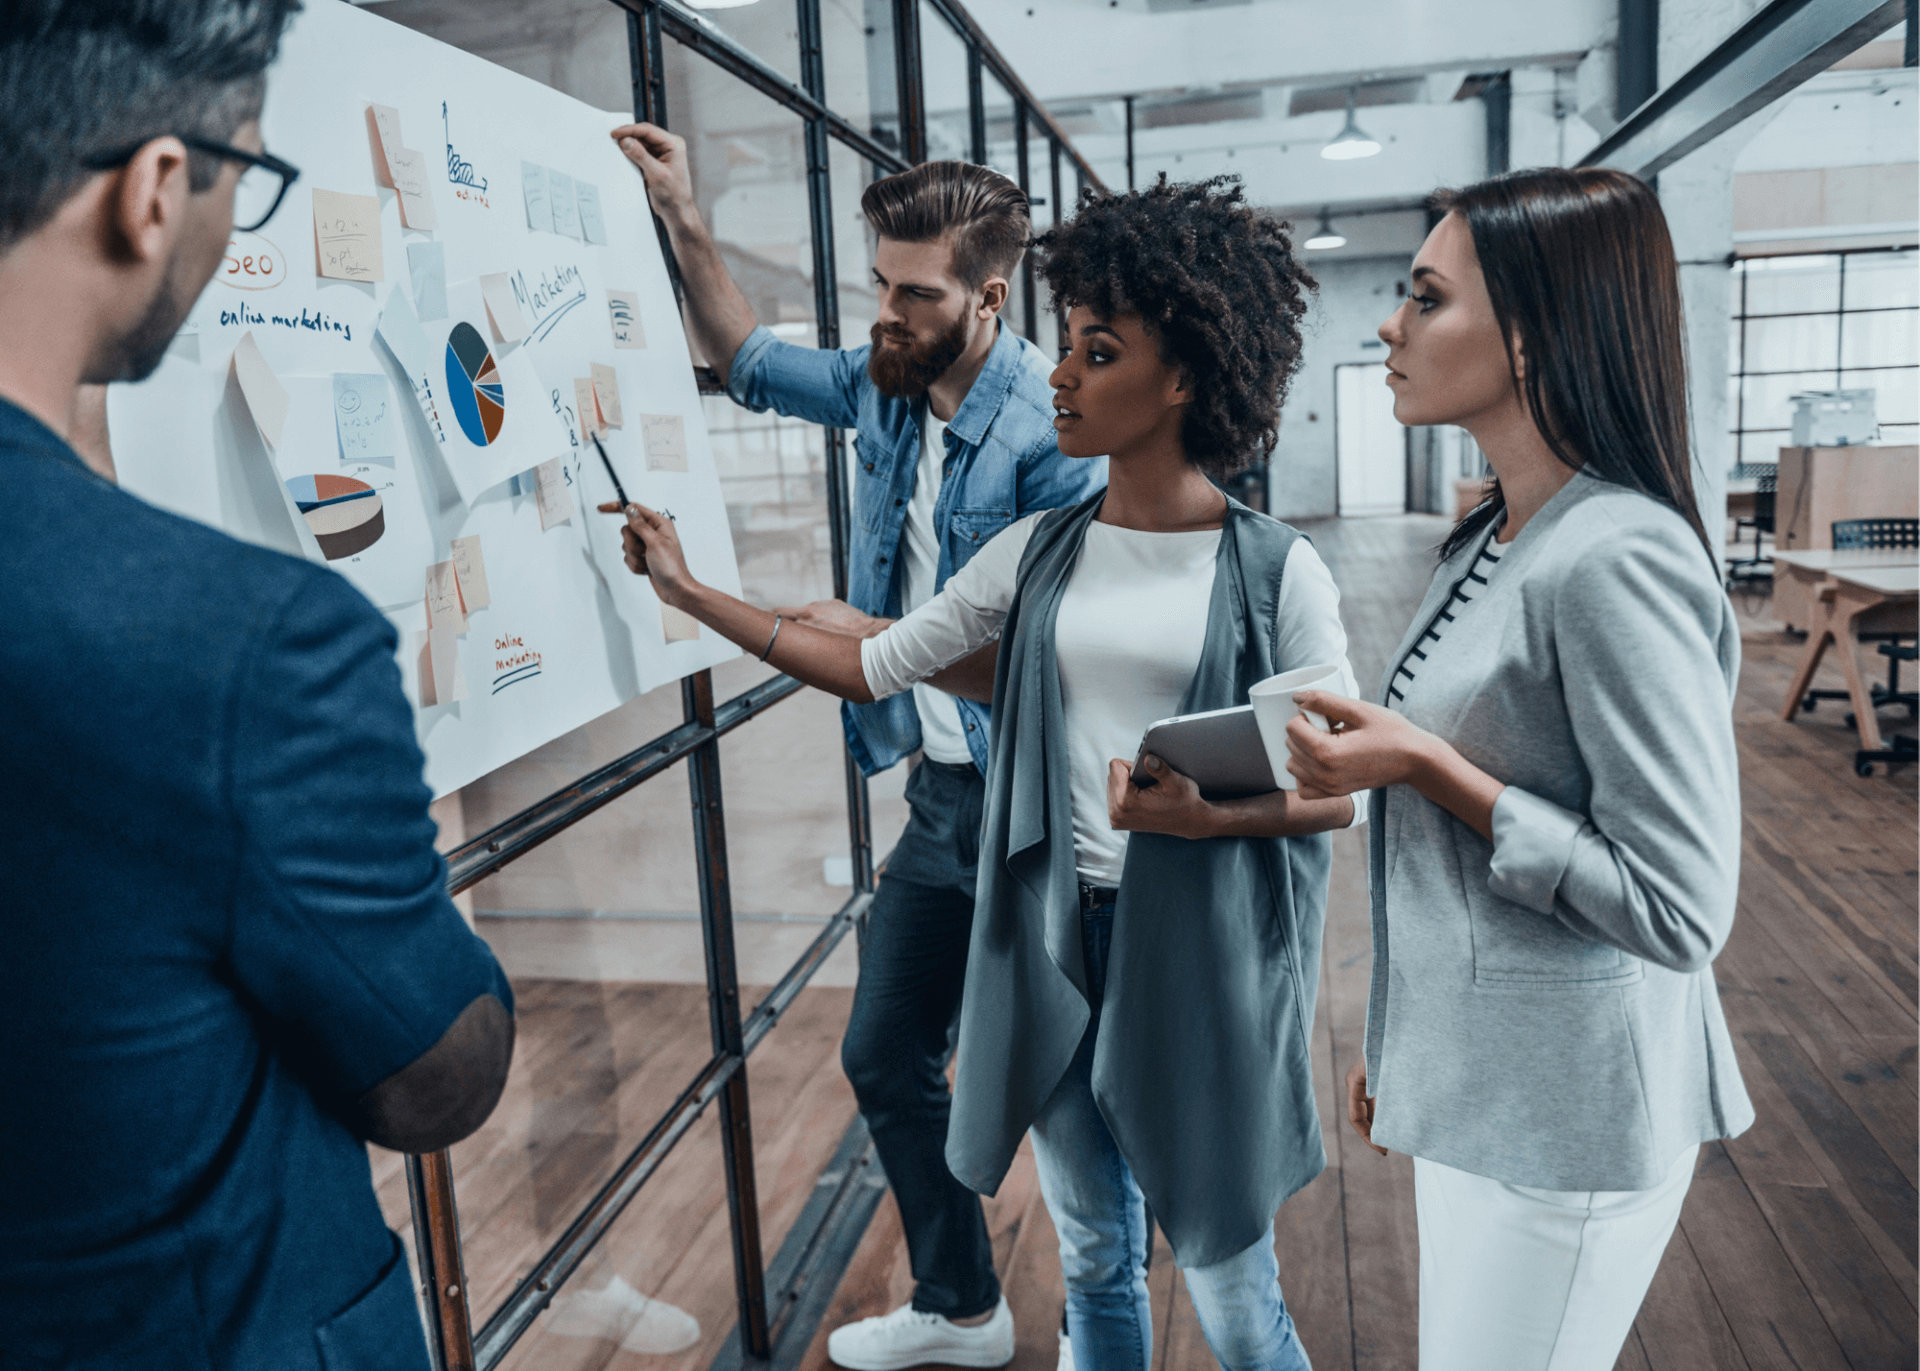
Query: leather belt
[{"x": 1092, "y": 896}]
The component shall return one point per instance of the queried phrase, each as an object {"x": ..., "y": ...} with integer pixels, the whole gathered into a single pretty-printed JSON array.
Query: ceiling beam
[{"x": 1776, "y": 50}]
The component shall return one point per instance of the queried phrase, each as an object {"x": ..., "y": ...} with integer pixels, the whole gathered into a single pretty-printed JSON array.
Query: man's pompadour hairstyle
[
  {"x": 984, "y": 213},
  {"x": 80, "y": 78}
]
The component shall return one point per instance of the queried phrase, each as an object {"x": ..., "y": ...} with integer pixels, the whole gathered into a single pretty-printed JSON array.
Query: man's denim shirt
[{"x": 1002, "y": 463}]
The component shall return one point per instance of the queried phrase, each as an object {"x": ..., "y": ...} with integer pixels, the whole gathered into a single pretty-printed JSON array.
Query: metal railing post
[
  {"x": 1028, "y": 312},
  {"x": 723, "y": 1012},
  {"x": 442, "y": 1269},
  {"x": 908, "y": 73}
]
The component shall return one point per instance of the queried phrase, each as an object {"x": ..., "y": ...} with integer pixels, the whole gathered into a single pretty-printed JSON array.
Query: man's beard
[
  {"x": 138, "y": 355},
  {"x": 906, "y": 372}
]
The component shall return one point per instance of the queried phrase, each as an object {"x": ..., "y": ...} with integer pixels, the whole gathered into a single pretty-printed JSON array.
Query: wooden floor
[{"x": 1796, "y": 1248}]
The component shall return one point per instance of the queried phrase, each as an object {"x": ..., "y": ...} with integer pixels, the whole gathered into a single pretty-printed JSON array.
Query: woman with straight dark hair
[{"x": 1555, "y": 817}]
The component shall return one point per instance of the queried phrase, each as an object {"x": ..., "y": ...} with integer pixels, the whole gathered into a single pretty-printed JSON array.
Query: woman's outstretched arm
[{"x": 827, "y": 661}]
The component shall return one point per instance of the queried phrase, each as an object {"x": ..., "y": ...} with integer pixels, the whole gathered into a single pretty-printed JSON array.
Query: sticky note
[
  {"x": 406, "y": 170},
  {"x": 679, "y": 626},
  {"x": 533, "y": 189},
  {"x": 266, "y": 397},
  {"x": 443, "y": 680},
  {"x": 586, "y": 202},
  {"x": 363, "y": 417},
  {"x": 470, "y": 572},
  {"x": 606, "y": 390},
  {"x": 623, "y": 309},
  {"x": 585, "y": 408},
  {"x": 566, "y": 215},
  {"x": 427, "y": 270},
  {"x": 553, "y": 493},
  {"x": 346, "y": 233},
  {"x": 665, "y": 439},
  {"x": 502, "y": 308},
  {"x": 444, "y": 606}
]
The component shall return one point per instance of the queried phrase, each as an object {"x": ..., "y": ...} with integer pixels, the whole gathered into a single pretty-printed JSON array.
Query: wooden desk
[
  {"x": 1816, "y": 486},
  {"x": 1854, "y": 594}
]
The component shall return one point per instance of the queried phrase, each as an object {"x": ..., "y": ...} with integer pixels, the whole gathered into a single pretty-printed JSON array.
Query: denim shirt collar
[{"x": 989, "y": 391}]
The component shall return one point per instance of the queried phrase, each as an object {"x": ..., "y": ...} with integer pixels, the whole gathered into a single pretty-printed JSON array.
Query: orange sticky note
[
  {"x": 606, "y": 389},
  {"x": 444, "y": 606},
  {"x": 266, "y": 397},
  {"x": 587, "y": 407},
  {"x": 470, "y": 573},
  {"x": 346, "y": 235},
  {"x": 406, "y": 170}
]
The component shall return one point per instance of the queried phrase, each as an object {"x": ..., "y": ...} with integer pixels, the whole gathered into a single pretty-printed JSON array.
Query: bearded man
[{"x": 954, "y": 421}]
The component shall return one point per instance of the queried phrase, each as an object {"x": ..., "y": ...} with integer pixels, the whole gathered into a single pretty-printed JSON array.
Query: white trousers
[{"x": 1522, "y": 1279}]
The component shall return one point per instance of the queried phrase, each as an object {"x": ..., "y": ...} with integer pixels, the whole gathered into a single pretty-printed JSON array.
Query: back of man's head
[
  {"x": 982, "y": 212},
  {"x": 82, "y": 79}
]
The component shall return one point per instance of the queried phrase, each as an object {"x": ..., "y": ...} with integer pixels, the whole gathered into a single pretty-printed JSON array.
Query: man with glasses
[{"x": 229, "y": 957}]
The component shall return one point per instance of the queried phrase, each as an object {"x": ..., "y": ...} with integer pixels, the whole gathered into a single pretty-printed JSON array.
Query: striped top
[{"x": 1464, "y": 592}]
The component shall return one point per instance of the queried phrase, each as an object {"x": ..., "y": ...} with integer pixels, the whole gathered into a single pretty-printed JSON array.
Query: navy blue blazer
[{"x": 224, "y": 917}]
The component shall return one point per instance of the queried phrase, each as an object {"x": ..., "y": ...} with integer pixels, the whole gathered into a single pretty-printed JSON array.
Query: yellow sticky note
[
  {"x": 346, "y": 235},
  {"x": 444, "y": 608},
  {"x": 679, "y": 626},
  {"x": 665, "y": 439},
  {"x": 606, "y": 389},
  {"x": 266, "y": 397},
  {"x": 504, "y": 310},
  {"x": 586, "y": 407},
  {"x": 470, "y": 573},
  {"x": 552, "y": 493}
]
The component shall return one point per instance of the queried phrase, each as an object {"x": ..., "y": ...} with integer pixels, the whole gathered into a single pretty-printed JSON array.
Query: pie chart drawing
[
  {"x": 479, "y": 398},
  {"x": 343, "y": 513}
]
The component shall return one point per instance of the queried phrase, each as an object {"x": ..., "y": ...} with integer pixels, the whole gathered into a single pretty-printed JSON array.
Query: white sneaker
[
  {"x": 1066, "y": 1354},
  {"x": 907, "y": 1337}
]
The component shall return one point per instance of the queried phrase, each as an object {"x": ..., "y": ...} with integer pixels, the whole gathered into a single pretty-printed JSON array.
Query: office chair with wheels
[{"x": 1758, "y": 566}]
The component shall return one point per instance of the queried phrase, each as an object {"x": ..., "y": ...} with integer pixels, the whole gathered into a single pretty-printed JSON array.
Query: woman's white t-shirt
[{"x": 1132, "y": 623}]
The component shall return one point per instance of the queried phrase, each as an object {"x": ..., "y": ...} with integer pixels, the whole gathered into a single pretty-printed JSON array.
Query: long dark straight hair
[{"x": 1580, "y": 269}]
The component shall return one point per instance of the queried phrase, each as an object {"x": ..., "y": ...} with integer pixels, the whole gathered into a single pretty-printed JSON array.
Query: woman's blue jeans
[{"x": 1101, "y": 1218}]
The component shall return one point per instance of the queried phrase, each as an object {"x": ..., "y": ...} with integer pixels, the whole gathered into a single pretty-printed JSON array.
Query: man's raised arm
[{"x": 718, "y": 315}]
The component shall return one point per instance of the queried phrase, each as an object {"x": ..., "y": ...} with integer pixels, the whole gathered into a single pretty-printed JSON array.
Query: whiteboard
[{"x": 568, "y": 633}]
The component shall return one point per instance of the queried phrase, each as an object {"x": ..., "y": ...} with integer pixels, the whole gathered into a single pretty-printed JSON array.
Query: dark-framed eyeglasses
[{"x": 261, "y": 188}]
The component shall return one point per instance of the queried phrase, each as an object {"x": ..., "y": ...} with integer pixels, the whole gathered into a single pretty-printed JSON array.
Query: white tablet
[{"x": 1220, "y": 750}]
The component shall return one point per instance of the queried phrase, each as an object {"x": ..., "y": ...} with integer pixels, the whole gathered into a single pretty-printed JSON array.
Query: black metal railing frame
[{"x": 455, "y": 1345}]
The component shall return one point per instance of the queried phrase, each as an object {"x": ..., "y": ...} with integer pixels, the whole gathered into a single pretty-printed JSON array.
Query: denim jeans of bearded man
[{"x": 1101, "y": 1217}]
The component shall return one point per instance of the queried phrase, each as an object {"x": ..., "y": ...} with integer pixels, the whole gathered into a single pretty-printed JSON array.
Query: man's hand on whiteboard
[
  {"x": 652, "y": 547},
  {"x": 662, "y": 159}
]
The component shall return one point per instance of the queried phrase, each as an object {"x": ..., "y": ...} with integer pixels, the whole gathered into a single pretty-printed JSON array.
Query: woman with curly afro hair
[{"x": 1144, "y": 958}]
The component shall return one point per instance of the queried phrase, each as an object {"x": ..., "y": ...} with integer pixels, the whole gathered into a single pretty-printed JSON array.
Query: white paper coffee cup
[{"x": 1273, "y": 709}]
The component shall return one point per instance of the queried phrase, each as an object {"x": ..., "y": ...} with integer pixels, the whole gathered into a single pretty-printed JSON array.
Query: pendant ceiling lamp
[
  {"x": 1351, "y": 141},
  {"x": 1325, "y": 236}
]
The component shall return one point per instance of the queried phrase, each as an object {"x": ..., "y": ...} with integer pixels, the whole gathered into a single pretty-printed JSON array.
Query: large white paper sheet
[{"x": 567, "y": 633}]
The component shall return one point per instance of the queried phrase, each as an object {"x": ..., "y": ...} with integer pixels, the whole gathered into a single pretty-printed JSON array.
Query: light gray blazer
[{"x": 1543, "y": 1009}]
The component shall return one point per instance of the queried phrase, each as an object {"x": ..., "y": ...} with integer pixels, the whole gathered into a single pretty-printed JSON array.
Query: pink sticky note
[
  {"x": 470, "y": 571},
  {"x": 444, "y": 604},
  {"x": 679, "y": 626},
  {"x": 606, "y": 389},
  {"x": 586, "y": 407},
  {"x": 266, "y": 397},
  {"x": 443, "y": 678}
]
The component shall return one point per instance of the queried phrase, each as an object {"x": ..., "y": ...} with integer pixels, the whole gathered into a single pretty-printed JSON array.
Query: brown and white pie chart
[{"x": 343, "y": 513}]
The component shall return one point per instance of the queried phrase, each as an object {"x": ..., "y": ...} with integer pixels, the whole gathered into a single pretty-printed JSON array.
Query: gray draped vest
[{"x": 1202, "y": 1069}]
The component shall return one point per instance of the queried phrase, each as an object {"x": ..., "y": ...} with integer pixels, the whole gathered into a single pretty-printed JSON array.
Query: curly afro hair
[{"x": 1218, "y": 285}]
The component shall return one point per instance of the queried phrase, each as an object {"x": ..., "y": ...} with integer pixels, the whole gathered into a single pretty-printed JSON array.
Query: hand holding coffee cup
[
  {"x": 1364, "y": 747},
  {"x": 1274, "y": 708}
]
